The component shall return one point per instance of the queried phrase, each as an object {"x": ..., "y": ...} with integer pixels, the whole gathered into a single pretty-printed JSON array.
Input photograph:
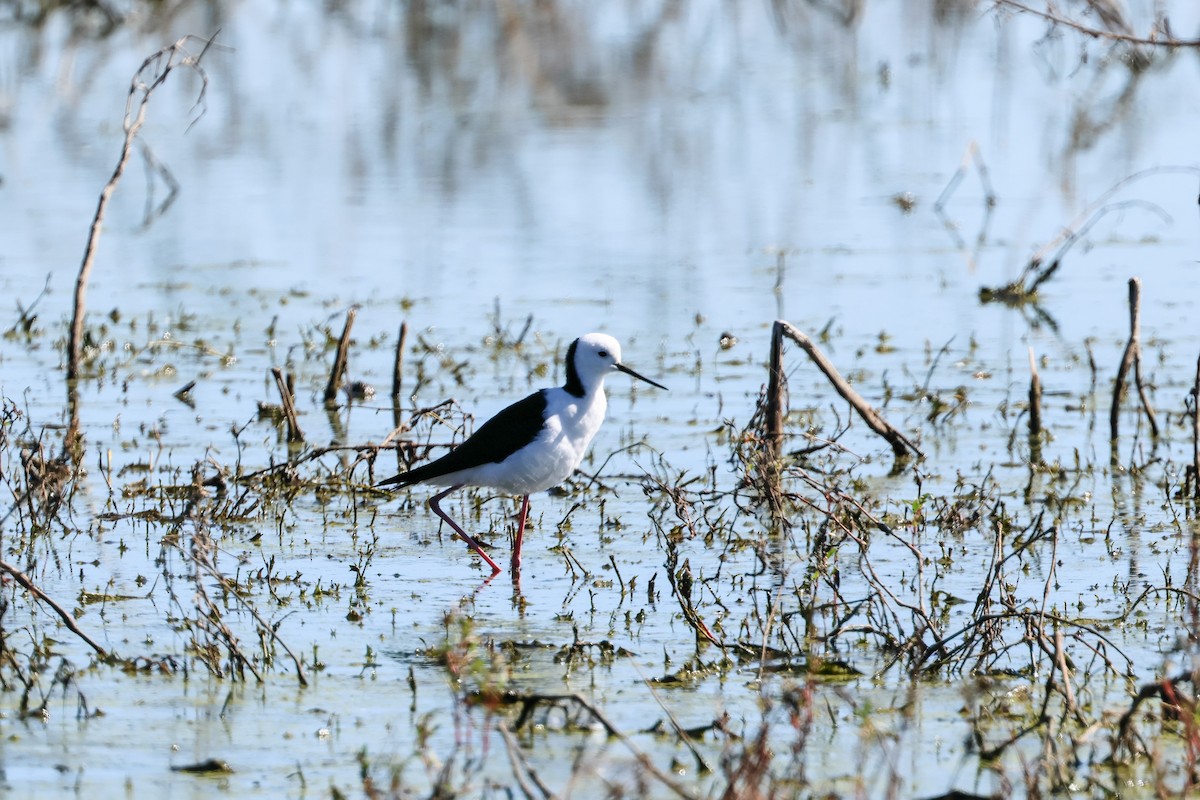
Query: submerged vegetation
[{"x": 920, "y": 580}]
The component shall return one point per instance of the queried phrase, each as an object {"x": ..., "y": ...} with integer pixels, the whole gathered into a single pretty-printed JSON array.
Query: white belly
[{"x": 549, "y": 459}]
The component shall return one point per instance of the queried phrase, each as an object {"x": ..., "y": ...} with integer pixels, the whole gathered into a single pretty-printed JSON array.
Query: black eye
[{"x": 604, "y": 354}]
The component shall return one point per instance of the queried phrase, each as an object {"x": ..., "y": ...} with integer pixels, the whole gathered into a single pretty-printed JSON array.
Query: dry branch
[
  {"x": 775, "y": 413},
  {"x": 1132, "y": 358},
  {"x": 1154, "y": 39},
  {"x": 902, "y": 446},
  {"x": 288, "y": 400},
  {"x": 66, "y": 617},
  {"x": 150, "y": 75},
  {"x": 398, "y": 364},
  {"x": 339, "y": 361}
]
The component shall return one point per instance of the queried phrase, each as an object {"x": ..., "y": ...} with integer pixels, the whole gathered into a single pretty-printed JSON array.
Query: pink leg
[
  {"x": 474, "y": 545},
  {"x": 516, "y": 557}
]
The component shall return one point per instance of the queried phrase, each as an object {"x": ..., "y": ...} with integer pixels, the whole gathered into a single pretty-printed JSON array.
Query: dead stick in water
[
  {"x": 1135, "y": 312},
  {"x": 901, "y": 444},
  {"x": 149, "y": 76},
  {"x": 288, "y": 400},
  {"x": 776, "y": 403},
  {"x": 398, "y": 364},
  {"x": 776, "y": 391},
  {"x": 339, "y": 361},
  {"x": 398, "y": 378},
  {"x": 1035, "y": 397},
  {"x": 63, "y": 614},
  {"x": 1132, "y": 357}
]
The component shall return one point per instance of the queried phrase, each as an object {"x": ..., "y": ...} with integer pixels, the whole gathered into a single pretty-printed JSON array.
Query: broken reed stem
[
  {"x": 1132, "y": 357},
  {"x": 287, "y": 399},
  {"x": 150, "y": 75},
  {"x": 776, "y": 401},
  {"x": 66, "y": 617},
  {"x": 901, "y": 444},
  {"x": 776, "y": 393},
  {"x": 339, "y": 361},
  {"x": 1143, "y": 395},
  {"x": 398, "y": 364},
  {"x": 1035, "y": 397}
]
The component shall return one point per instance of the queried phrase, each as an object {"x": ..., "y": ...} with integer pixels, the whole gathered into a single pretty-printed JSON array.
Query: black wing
[{"x": 496, "y": 440}]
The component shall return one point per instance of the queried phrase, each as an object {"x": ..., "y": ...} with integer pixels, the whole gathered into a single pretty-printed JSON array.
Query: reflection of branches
[
  {"x": 1042, "y": 266},
  {"x": 1175, "y": 704},
  {"x": 154, "y": 167},
  {"x": 564, "y": 701},
  {"x": 1160, "y": 34},
  {"x": 27, "y": 315},
  {"x": 971, "y": 156},
  {"x": 1132, "y": 358}
]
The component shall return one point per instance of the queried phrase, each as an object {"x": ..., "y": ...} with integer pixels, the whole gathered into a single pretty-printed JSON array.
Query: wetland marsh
[{"x": 199, "y": 601}]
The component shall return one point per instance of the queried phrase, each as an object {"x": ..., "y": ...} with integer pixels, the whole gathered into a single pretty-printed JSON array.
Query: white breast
[{"x": 571, "y": 424}]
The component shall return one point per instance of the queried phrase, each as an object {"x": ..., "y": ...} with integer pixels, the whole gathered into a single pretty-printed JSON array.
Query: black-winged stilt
[{"x": 533, "y": 444}]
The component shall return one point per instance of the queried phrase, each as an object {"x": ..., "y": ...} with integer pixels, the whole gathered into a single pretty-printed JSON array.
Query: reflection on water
[
  {"x": 623, "y": 161},
  {"x": 669, "y": 172}
]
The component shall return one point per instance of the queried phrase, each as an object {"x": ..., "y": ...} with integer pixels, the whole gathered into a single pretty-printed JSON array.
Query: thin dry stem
[
  {"x": 66, "y": 617},
  {"x": 288, "y": 400},
  {"x": 1132, "y": 358},
  {"x": 339, "y": 361},
  {"x": 902, "y": 446},
  {"x": 150, "y": 75}
]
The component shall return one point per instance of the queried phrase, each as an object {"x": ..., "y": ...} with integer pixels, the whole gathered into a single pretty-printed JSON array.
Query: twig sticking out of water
[
  {"x": 287, "y": 398},
  {"x": 777, "y": 401},
  {"x": 398, "y": 364},
  {"x": 398, "y": 377},
  {"x": 1132, "y": 358},
  {"x": 339, "y": 361},
  {"x": 150, "y": 75},
  {"x": 1035, "y": 410},
  {"x": 66, "y": 617},
  {"x": 902, "y": 446}
]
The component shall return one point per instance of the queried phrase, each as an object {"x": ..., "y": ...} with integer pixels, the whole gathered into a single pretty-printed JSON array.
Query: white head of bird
[
  {"x": 535, "y": 443},
  {"x": 592, "y": 358}
]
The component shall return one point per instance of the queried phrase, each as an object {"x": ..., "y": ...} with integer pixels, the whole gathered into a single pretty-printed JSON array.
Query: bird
[{"x": 531, "y": 445}]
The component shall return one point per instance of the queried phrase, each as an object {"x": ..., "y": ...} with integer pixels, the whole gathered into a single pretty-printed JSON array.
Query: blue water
[{"x": 667, "y": 174}]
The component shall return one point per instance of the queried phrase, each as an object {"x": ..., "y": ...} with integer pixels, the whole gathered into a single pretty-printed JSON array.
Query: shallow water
[{"x": 668, "y": 174}]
